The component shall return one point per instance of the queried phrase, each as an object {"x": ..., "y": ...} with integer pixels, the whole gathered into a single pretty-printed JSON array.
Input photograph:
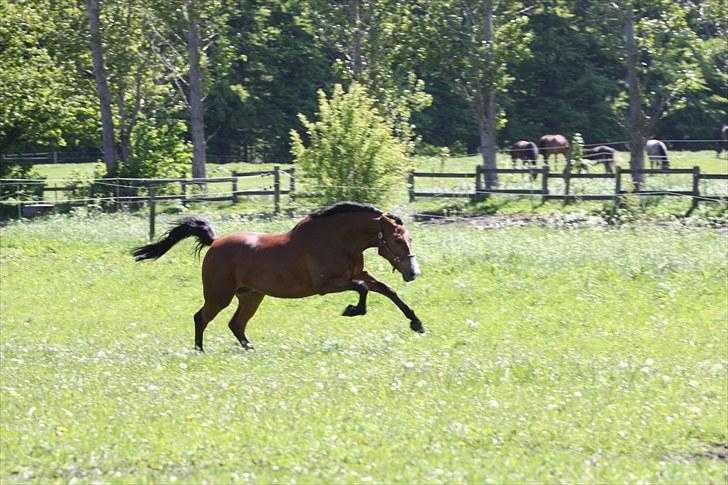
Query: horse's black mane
[
  {"x": 345, "y": 208},
  {"x": 349, "y": 207}
]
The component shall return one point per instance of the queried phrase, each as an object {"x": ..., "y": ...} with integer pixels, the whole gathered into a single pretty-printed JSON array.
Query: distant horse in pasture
[
  {"x": 722, "y": 144},
  {"x": 321, "y": 254},
  {"x": 554, "y": 145},
  {"x": 526, "y": 151},
  {"x": 657, "y": 153},
  {"x": 605, "y": 155}
]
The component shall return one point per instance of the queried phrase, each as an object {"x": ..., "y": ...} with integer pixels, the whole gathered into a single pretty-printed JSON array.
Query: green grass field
[{"x": 584, "y": 355}]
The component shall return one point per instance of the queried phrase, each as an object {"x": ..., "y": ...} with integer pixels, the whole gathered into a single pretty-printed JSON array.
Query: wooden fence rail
[
  {"x": 544, "y": 191},
  {"x": 119, "y": 190}
]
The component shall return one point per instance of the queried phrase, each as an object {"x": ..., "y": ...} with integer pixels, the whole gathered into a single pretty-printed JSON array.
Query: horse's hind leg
[
  {"x": 248, "y": 302},
  {"x": 206, "y": 314}
]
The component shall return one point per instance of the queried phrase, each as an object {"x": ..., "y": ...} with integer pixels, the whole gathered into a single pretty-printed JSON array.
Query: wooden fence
[
  {"x": 544, "y": 193},
  {"x": 127, "y": 190}
]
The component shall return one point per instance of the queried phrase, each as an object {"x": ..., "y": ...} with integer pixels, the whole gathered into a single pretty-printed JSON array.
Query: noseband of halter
[{"x": 383, "y": 243}]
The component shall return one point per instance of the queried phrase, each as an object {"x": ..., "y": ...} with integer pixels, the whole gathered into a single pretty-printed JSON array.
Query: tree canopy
[{"x": 549, "y": 65}]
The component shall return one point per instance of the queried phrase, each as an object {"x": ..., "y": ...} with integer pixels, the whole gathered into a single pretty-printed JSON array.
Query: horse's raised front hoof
[
  {"x": 352, "y": 311},
  {"x": 416, "y": 326}
]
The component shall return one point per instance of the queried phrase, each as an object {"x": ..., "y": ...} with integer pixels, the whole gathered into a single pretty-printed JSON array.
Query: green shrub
[{"x": 352, "y": 153}]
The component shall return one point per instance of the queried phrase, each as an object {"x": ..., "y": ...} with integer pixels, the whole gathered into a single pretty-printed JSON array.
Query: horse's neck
[{"x": 356, "y": 231}]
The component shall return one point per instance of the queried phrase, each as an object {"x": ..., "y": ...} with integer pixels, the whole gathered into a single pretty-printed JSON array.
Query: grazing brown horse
[
  {"x": 554, "y": 144},
  {"x": 605, "y": 155},
  {"x": 322, "y": 254},
  {"x": 657, "y": 153},
  {"x": 526, "y": 151},
  {"x": 722, "y": 144}
]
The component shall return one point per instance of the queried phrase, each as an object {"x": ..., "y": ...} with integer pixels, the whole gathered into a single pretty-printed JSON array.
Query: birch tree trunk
[
  {"x": 197, "y": 114},
  {"x": 102, "y": 87},
  {"x": 636, "y": 137},
  {"x": 488, "y": 119}
]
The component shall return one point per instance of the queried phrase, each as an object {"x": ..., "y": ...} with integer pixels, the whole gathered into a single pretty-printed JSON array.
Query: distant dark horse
[
  {"x": 657, "y": 152},
  {"x": 527, "y": 152},
  {"x": 321, "y": 254},
  {"x": 722, "y": 144},
  {"x": 554, "y": 144},
  {"x": 603, "y": 154}
]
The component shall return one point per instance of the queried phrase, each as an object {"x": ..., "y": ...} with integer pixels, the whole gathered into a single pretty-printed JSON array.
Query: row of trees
[{"x": 160, "y": 82}]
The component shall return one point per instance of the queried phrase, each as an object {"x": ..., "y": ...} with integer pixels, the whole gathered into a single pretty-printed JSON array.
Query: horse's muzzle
[{"x": 408, "y": 275}]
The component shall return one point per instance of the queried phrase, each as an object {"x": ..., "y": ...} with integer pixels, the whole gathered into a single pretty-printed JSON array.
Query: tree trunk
[
  {"x": 487, "y": 118},
  {"x": 356, "y": 39},
  {"x": 102, "y": 87},
  {"x": 197, "y": 115},
  {"x": 636, "y": 137}
]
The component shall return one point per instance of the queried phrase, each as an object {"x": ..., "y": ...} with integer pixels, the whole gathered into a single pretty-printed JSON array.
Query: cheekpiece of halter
[{"x": 383, "y": 245}]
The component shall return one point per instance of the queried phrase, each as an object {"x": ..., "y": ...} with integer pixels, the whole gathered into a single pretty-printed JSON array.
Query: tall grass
[{"x": 575, "y": 355}]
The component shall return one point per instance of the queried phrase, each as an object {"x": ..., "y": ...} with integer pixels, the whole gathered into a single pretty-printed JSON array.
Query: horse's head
[{"x": 395, "y": 245}]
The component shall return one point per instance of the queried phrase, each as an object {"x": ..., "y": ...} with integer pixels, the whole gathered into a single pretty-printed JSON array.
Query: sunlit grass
[{"x": 572, "y": 355}]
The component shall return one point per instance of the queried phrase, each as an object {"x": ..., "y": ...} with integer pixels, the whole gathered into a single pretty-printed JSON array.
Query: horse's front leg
[
  {"x": 379, "y": 287},
  {"x": 337, "y": 285}
]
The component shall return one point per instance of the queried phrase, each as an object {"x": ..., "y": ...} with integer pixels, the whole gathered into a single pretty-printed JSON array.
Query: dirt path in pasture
[{"x": 566, "y": 220}]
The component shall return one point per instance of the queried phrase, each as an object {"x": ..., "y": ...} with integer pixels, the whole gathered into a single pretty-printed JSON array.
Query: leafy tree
[
  {"x": 44, "y": 97},
  {"x": 659, "y": 51},
  {"x": 371, "y": 43},
  {"x": 268, "y": 71},
  {"x": 476, "y": 44},
  {"x": 352, "y": 153}
]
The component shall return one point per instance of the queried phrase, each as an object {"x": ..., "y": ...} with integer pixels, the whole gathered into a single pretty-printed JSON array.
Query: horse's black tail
[{"x": 190, "y": 226}]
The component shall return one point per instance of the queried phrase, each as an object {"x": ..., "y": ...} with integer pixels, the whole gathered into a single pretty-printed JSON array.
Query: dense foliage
[
  {"x": 554, "y": 65},
  {"x": 352, "y": 153}
]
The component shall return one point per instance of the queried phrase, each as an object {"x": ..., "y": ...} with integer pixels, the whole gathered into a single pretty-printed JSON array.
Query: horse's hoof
[
  {"x": 199, "y": 349},
  {"x": 248, "y": 346},
  {"x": 416, "y": 326},
  {"x": 351, "y": 311}
]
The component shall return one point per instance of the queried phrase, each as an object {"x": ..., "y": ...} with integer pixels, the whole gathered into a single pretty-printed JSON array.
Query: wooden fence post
[
  {"x": 152, "y": 211},
  {"x": 544, "y": 182},
  {"x": 696, "y": 188},
  {"x": 118, "y": 194},
  {"x": 478, "y": 183},
  {"x": 567, "y": 183},
  {"x": 292, "y": 182},
  {"x": 235, "y": 190},
  {"x": 411, "y": 185},
  {"x": 277, "y": 189},
  {"x": 617, "y": 187}
]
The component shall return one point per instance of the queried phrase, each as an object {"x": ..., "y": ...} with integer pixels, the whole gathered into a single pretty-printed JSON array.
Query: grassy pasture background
[
  {"x": 577, "y": 355},
  {"x": 652, "y": 206}
]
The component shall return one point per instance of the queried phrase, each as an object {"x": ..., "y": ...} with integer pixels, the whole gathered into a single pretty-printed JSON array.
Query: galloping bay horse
[
  {"x": 554, "y": 144},
  {"x": 322, "y": 254}
]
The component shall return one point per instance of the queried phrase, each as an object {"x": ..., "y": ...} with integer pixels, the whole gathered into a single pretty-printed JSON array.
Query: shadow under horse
[{"x": 321, "y": 254}]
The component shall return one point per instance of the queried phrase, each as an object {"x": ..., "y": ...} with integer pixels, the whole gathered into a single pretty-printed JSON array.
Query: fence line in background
[{"x": 545, "y": 194}]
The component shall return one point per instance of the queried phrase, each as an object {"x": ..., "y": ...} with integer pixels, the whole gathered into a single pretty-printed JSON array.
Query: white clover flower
[{"x": 493, "y": 403}]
